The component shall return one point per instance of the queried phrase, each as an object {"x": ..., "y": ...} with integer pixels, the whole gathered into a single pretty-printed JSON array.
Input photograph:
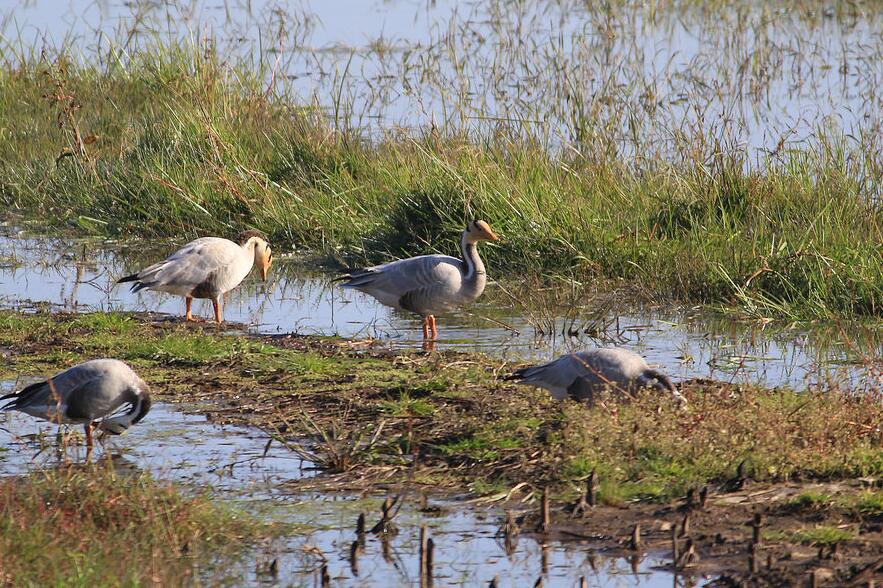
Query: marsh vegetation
[
  {"x": 727, "y": 177},
  {"x": 92, "y": 524},
  {"x": 721, "y": 155}
]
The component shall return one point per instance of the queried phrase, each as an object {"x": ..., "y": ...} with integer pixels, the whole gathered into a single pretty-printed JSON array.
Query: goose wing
[
  {"x": 557, "y": 374},
  {"x": 193, "y": 265},
  {"x": 609, "y": 365},
  {"x": 416, "y": 284},
  {"x": 85, "y": 392},
  {"x": 595, "y": 367}
]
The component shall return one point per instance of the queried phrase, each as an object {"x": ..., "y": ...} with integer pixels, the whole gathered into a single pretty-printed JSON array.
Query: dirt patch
[{"x": 718, "y": 537}]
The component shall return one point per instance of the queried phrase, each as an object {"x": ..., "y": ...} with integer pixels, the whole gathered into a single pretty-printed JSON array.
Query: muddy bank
[{"x": 759, "y": 535}]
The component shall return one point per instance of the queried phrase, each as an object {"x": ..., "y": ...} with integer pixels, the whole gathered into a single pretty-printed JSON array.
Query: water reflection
[{"x": 169, "y": 443}]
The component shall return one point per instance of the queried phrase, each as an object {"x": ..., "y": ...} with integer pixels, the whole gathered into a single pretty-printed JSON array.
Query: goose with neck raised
[
  {"x": 206, "y": 268},
  {"x": 429, "y": 284}
]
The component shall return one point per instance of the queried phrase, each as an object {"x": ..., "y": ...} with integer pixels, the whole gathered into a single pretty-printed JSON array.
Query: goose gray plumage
[
  {"x": 206, "y": 268},
  {"x": 428, "y": 284},
  {"x": 582, "y": 374},
  {"x": 104, "y": 393}
]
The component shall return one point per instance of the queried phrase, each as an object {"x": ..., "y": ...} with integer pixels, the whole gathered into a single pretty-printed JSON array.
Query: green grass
[
  {"x": 809, "y": 500},
  {"x": 406, "y": 406},
  {"x": 188, "y": 146},
  {"x": 186, "y": 349},
  {"x": 91, "y": 526},
  {"x": 822, "y": 535},
  {"x": 870, "y": 503},
  {"x": 306, "y": 363},
  {"x": 474, "y": 448},
  {"x": 104, "y": 323}
]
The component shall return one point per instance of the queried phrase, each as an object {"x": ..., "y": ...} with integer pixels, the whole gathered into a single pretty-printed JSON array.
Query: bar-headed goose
[
  {"x": 101, "y": 393},
  {"x": 582, "y": 374},
  {"x": 428, "y": 284},
  {"x": 206, "y": 268}
]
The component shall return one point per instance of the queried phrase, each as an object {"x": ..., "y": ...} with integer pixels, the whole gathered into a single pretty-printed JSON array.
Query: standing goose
[
  {"x": 428, "y": 284},
  {"x": 580, "y": 375},
  {"x": 206, "y": 268},
  {"x": 94, "y": 394}
]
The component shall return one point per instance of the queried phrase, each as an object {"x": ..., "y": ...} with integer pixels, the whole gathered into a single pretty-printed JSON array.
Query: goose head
[
  {"x": 660, "y": 383},
  {"x": 263, "y": 254},
  {"x": 263, "y": 257},
  {"x": 478, "y": 230},
  {"x": 117, "y": 425}
]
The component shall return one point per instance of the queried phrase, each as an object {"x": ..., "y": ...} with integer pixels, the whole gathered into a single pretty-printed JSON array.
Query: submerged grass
[
  {"x": 174, "y": 142},
  {"x": 90, "y": 526},
  {"x": 450, "y": 420}
]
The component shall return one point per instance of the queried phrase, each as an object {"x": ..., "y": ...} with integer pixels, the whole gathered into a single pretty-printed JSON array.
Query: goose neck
[
  {"x": 474, "y": 264},
  {"x": 248, "y": 252}
]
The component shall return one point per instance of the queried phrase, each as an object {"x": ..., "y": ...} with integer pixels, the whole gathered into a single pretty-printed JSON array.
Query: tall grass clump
[
  {"x": 91, "y": 527},
  {"x": 172, "y": 141}
]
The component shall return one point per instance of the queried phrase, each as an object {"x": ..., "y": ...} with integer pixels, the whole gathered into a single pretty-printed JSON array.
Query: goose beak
[
  {"x": 266, "y": 262},
  {"x": 485, "y": 231}
]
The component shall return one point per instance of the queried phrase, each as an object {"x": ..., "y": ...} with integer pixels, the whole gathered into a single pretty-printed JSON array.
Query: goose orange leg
[
  {"x": 432, "y": 328},
  {"x": 89, "y": 441},
  {"x": 188, "y": 301},
  {"x": 425, "y": 327},
  {"x": 217, "y": 304}
]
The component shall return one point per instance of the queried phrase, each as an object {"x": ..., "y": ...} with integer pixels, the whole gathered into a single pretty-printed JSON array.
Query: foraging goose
[
  {"x": 428, "y": 284},
  {"x": 580, "y": 375},
  {"x": 206, "y": 268},
  {"x": 91, "y": 393}
]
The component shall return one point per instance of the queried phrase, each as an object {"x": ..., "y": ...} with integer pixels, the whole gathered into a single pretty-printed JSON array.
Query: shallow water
[
  {"x": 635, "y": 74},
  {"x": 170, "y": 444},
  {"x": 235, "y": 463},
  {"x": 688, "y": 343}
]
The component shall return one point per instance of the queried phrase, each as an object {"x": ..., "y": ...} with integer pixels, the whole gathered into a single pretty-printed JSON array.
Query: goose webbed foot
[{"x": 188, "y": 315}]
